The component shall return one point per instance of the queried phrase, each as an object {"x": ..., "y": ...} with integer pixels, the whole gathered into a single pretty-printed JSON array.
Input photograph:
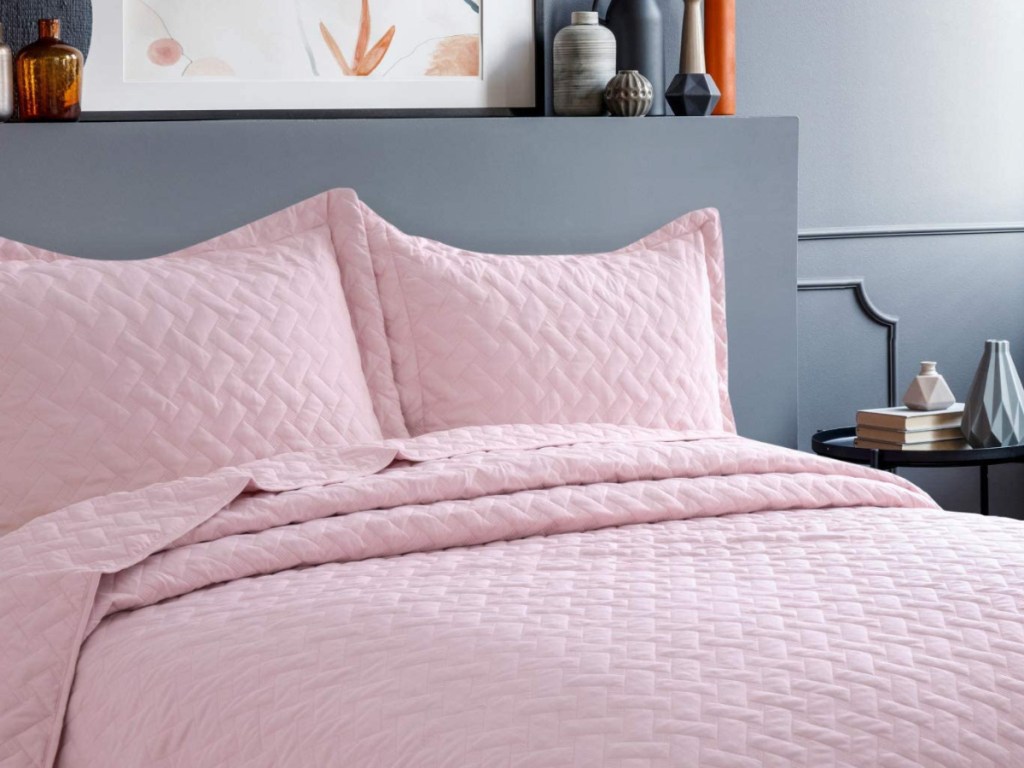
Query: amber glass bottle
[{"x": 49, "y": 75}]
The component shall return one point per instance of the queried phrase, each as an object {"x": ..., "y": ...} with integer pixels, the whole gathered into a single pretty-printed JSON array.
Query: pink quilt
[{"x": 532, "y": 596}]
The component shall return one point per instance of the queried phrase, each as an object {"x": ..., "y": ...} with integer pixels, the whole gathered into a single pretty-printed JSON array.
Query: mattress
[{"x": 516, "y": 596}]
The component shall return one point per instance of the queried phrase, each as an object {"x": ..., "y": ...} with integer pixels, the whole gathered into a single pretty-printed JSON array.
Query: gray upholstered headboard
[{"x": 528, "y": 185}]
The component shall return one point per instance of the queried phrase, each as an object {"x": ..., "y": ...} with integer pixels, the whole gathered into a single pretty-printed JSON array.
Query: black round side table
[{"x": 838, "y": 444}]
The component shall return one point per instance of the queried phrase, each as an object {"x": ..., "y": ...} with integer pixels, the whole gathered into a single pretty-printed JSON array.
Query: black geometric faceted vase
[
  {"x": 693, "y": 92},
  {"x": 693, "y": 95}
]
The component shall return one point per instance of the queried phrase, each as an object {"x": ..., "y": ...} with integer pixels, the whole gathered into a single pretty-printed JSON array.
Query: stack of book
[{"x": 901, "y": 429}]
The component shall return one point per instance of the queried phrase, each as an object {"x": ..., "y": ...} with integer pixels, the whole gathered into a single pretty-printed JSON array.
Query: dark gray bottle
[{"x": 639, "y": 38}]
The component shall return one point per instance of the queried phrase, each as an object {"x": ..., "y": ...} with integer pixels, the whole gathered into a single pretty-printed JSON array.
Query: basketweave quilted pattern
[
  {"x": 864, "y": 638},
  {"x": 619, "y": 346},
  {"x": 12, "y": 250},
  {"x": 637, "y": 336},
  {"x": 115, "y": 375},
  {"x": 341, "y": 211},
  {"x": 660, "y": 602}
]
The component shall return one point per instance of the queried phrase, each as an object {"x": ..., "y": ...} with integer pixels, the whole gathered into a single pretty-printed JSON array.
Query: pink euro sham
[
  {"x": 375, "y": 333},
  {"x": 632, "y": 337},
  {"x": 116, "y": 375}
]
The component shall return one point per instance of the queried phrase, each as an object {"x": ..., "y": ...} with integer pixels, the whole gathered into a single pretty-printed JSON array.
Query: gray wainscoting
[
  {"x": 887, "y": 142},
  {"x": 950, "y": 293}
]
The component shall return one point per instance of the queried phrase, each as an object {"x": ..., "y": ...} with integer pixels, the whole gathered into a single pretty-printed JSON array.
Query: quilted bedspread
[{"x": 540, "y": 596}]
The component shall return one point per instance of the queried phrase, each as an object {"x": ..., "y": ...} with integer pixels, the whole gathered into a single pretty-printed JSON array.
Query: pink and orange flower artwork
[{"x": 306, "y": 40}]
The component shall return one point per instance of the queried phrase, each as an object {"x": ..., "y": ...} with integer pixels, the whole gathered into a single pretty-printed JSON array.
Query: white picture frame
[{"x": 507, "y": 77}]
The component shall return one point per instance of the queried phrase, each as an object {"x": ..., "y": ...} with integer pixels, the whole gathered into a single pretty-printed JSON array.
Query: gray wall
[{"x": 911, "y": 114}]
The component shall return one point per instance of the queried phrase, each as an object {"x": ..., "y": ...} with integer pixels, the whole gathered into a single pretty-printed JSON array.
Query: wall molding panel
[
  {"x": 950, "y": 293},
  {"x": 917, "y": 230},
  {"x": 873, "y": 313}
]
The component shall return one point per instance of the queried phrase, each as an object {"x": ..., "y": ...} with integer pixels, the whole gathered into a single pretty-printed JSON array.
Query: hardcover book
[
  {"x": 904, "y": 419},
  {"x": 938, "y": 445},
  {"x": 909, "y": 437}
]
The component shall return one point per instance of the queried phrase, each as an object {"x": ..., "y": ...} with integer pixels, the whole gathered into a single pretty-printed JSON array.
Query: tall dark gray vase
[
  {"x": 640, "y": 41},
  {"x": 994, "y": 409}
]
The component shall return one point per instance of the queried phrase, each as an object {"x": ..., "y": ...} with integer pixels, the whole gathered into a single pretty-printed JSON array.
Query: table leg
[{"x": 984, "y": 489}]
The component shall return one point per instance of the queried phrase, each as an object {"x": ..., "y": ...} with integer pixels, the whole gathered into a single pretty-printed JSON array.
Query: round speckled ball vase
[
  {"x": 584, "y": 62},
  {"x": 629, "y": 94}
]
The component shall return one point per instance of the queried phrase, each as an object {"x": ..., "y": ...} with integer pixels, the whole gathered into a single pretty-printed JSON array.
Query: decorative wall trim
[
  {"x": 922, "y": 230},
  {"x": 872, "y": 312}
]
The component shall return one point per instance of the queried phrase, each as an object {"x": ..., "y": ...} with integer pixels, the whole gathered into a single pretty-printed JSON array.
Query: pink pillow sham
[
  {"x": 636, "y": 336},
  {"x": 445, "y": 338},
  {"x": 340, "y": 211},
  {"x": 115, "y": 375}
]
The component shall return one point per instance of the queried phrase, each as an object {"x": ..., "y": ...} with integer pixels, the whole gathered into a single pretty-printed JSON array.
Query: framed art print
[{"x": 294, "y": 55}]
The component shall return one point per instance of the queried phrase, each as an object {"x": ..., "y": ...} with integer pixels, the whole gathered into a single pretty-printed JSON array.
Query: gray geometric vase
[{"x": 994, "y": 409}]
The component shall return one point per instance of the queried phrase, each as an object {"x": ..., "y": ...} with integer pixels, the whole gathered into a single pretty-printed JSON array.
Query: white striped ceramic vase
[{"x": 584, "y": 62}]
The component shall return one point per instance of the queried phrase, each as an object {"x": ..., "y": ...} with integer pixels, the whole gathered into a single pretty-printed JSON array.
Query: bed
[
  {"x": 436, "y": 537},
  {"x": 606, "y": 598}
]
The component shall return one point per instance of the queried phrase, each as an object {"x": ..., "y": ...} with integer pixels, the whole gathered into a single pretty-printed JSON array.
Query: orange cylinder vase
[
  {"x": 49, "y": 75},
  {"x": 720, "y": 50}
]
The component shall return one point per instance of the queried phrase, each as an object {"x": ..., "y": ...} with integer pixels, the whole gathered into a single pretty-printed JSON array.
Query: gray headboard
[{"x": 527, "y": 185}]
